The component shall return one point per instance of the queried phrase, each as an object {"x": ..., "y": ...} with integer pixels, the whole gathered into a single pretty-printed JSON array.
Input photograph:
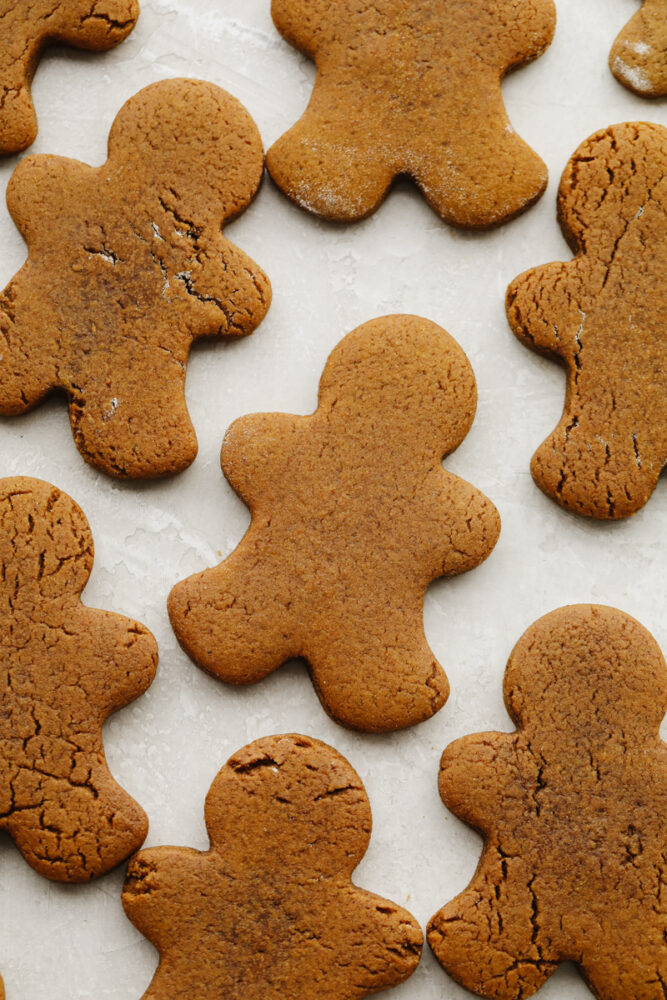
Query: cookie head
[
  {"x": 590, "y": 667},
  {"x": 401, "y": 375},
  {"x": 315, "y": 817}
]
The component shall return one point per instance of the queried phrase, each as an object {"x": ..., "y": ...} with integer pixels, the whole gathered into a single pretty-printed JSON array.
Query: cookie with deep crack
[
  {"x": 127, "y": 266},
  {"x": 604, "y": 315},
  {"x": 269, "y": 912},
  {"x": 26, "y": 27},
  {"x": 411, "y": 87},
  {"x": 638, "y": 58},
  {"x": 572, "y": 807},
  {"x": 64, "y": 668},
  {"x": 353, "y": 516}
]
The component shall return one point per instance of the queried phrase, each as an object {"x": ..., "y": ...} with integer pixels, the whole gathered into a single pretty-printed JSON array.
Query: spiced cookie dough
[
  {"x": 352, "y": 517},
  {"x": 604, "y": 315},
  {"x": 572, "y": 807},
  {"x": 638, "y": 58},
  {"x": 64, "y": 668},
  {"x": 269, "y": 912},
  {"x": 411, "y": 87},
  {"x": 127, "y": 266},
  {"x": 26, "y": 27}
]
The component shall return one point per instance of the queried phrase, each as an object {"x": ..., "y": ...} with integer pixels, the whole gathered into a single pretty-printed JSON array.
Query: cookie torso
[
  {"x": 411, "y": 88},
  {"x": 638, "y": 58},
  {"x": 272, "y": 914},
  {"x": 572, "y": 807},
  {"x": 26, "y": 26},
  {"x": 64, "y": 669},
  {"x": 605, "y": 315}
]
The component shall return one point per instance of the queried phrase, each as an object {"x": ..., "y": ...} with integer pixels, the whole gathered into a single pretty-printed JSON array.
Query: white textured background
[{"x": 65, "y": 943}]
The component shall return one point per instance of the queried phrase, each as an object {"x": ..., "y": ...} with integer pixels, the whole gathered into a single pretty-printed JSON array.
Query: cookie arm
[
  {"x": 475, "y": 778},
  {"x": 303, "y": 23},
  {"x": 101, "y": 26},
  {"x": 255, "y": 452},
  {"x": 544, "y": 309},
  {"x": 234, "y": 292},
  {"x": 157, "y": 887},
  {"x": 522, "y": 32},
  {"x": 460, "y": 525}
]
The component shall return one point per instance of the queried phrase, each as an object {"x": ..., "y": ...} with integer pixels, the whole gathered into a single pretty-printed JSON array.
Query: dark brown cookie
[
  {"x": 572, "y": 807},
  {"x": 411, "y": 87},
  {"x": 127, "y": 266},
  {"x": 604, "y": 314},
  {"x": 26, "y": 27},
  {"x": 269, "y": 912},
  {"x": 64, "y": 669},
  {"x": 638, "y": 58},
  {"x": 352, "y": 517}
]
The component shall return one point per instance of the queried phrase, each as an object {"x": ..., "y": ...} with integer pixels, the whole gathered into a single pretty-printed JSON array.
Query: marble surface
[{"x": 60, "y": 942}]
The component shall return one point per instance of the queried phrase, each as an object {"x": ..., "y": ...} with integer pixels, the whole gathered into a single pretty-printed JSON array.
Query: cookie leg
[{"x": 613, "y": 972}]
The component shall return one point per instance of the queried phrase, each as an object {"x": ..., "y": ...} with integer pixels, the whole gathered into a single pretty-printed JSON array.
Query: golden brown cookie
[
  {"x": 411, "y": 87},
  {"x": 26, "y": 27},
  {"x": 269, "y": 911},
  {"x": 127, "y": 266},
  {"x": 572, "y": 807},
  {"x": 64, "y": 668},
  {"x": 604, "y": 314},
  {"x": 638, "y": 58},
  {"x": 352, "y": 517}
]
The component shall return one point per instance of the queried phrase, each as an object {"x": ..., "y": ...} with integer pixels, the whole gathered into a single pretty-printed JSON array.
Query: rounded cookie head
[{"x": 589, "y": 666}]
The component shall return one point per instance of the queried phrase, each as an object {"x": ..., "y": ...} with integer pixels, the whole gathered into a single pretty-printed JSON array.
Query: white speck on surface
[{"x": 634, "y": 75}]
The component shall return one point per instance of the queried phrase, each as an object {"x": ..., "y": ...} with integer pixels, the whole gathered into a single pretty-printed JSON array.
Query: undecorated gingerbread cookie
[
  {"x": 26, "y": 27},
  {"x": 572, "y": 807},
  {"x": 352, "y": 517},
  {"x": 64, "y": 669},
  {"x": 411, "y": 87},
  {"x": 638, "y": 58},
  {"x": 604, "y": 315},
  {"x": 269, "y": 911},
  {"x": 127, "y": 266}
]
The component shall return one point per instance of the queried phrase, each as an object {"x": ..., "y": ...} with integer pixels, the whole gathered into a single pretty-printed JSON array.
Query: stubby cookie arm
[
  {"x": 519, "y": 33},
  {"x": 461, "y": 525},
  {"x": 477, "y": 774},
  {"x": 545, "y": 309},
  {"x": 302, "y": 23},
  {"x": 104, "y": 25},
  {"x": 252, "y": 454},
  {"x": 153, "y": 893},
  {"x": 392, "y": 940}
]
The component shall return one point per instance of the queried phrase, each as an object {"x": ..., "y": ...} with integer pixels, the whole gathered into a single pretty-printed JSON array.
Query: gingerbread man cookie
[
  {"x": 411, "y": 87},
  {"x": 572, "y": 807},
  {"x": 65, "y": 669},
  {"x": 270, "y": 912},
  {"x": 604, "y": 314},
  {"x": 352, "y": 517},
  {"x": 126, "y": 267},
  {"x": 638, "y": 58},
  {"x": 26, "y": 27}
]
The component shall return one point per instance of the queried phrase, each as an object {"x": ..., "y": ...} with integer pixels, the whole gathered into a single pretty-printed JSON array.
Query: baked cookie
[
  {"x": 572, "y": 807},
  {"x": 269, "y": 911},
  {"x": 604, "y": 314},
  {"x": 638, "y": 58},
  {"x": 64, "y": 669},
  {"x": 127, "y": 266},
  {"x": 26, "y": 27},
  {"x": 411, "y": 87},
  {"x": 352, "y": 517}
]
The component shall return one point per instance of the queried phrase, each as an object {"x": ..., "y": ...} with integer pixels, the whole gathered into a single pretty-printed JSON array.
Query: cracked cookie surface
[
  {"x": 26, "y": 27},
  {"x": 638, "y": 58},
  {"x": 572, "y": 807},
  {"x": 353, "y": 516},
  {"x": 411, "y": 87},
  {"x": 270, "y": 911},
  {"x": 127, "y": 265},
  {"x": 604, "y": 315},
  {"x": 64, "y": 669}
]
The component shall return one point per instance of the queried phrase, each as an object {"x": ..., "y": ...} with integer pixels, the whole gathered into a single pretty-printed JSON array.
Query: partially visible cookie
[
  {"x": 638, "y": 58},
  {"x": 63, "y": 669},
  {"x": 26, "y": 27},
  {"x": 352, "y": 517},
  {"x": 604, "y": 314},
  {"x": 269, "y": 911},
  {"x": 411, "y": 87},
  {"x": 572, "y": 807},
  {"x": 127, "y": 266}
]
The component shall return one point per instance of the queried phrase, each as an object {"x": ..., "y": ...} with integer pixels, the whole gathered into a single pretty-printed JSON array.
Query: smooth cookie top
[
  {"x": 572, "y": 807},
  {"x": 26, "y": 26},
  {"x": 604, "y": 314},
  {"x": 353, "y": 516},
  {"x": 638, "y": 58},
  {"x": 127, "y": 266},
  {"x": 269, "y": 912},
  {"x": 411, "y": 87}
]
